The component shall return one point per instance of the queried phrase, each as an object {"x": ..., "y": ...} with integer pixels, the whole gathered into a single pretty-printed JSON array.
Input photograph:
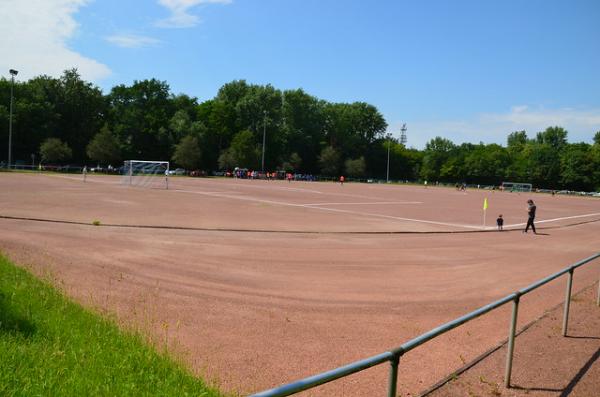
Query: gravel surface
[{"x": 251, "y": 310}]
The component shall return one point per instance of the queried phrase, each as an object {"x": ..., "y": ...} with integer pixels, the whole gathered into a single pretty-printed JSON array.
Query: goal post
[
  {"x": 516, "y": 186},
  {"x": 143, "y": 173}
]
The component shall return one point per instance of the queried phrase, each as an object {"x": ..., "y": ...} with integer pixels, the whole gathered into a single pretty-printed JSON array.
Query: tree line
[{"x": 68, "y": 120}]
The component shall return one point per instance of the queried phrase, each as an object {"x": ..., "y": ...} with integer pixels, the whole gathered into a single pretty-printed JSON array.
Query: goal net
[
  {"x": 149, "y": 174},
  {"x": 516, "y": 187}
]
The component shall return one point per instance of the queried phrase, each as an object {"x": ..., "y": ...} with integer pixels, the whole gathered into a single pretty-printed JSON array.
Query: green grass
[{"x": 50, "y": 346}]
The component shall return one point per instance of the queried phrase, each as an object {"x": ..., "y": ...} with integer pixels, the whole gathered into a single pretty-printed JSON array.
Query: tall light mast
[{"x": 403, "y": 134}]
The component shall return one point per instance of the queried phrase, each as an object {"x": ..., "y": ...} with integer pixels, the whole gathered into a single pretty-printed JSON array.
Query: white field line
[
  {"x": 217, "y": 185},
  {"x": 397, "y": 218},
  {"x": 367, "y": 214},
  {"x": 270, "y": 187},
  {"x": 244, "y": 198},
  {"x": 368, "y": 203},
  {"x": 118, "y": 183},
  {"x": 316, "y": 206},
  {"x": 556, "y": 219},
  {"x": 273, "y": 186},
  {"x": 80, "y": 179},
  {"x": 354, "y": 195}
]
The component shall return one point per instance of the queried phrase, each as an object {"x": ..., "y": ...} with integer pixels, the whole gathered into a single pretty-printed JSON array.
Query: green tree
[
  {"x": 81, "y": 107},
  {"x": 54, "y": 150},
  {"x": 295, "y": 123},
  {"x": 187, "y": 153},
  {"x": 436, "y": 154},
  {"x": 104, "y": 147},
  {"x": 329, "y": 161},
  {"x": 244, "y": 150},
  {"x": 455, "y": 167},
  {"x": 355, "y": 168},
  {"x": 34, "y": 116},
  {"x": 180, "y": 125},
  {"x": 577, "y": 167},
  {"x": 259, "y": 111},
  {"x": 67, "y": 108},
  {"x": 149, "y": 122},
  {"x": 555, "y": 137},
  {"x": 415, "y": 161},
  {"x": 404, "y": 163},
  {"x": 352, "y": 127},
  {"x": 219, "y": 120},
  {"x": 293, "y": 164},
  {"x": 517, "y": 168},
  {"x": 542, "y": 165},
  {"x": 227, "y": 160},
  {"x": 232, "y": 92},
  {"x": 487, "y": 164},
  {"x": 516, "y": 140},
  {"x": 139, "y": 115},
  {"x": 302, "y": 127},
  {"x": 595, "y": 164}
]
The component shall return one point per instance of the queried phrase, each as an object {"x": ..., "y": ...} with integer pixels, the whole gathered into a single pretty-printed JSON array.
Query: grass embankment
[{"x": 50, "y": 346}]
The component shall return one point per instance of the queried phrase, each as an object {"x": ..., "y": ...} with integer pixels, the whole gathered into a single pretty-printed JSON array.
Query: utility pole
[
  {"x": 387, "y": 176},
  {"x": 264, "y": 139},
  {"x": 13, "y": 73}
]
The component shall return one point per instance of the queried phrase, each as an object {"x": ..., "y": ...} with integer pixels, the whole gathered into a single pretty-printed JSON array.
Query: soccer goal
[
  {"x": 516, "y": 187},
  {"x": 150, "y": 174}
]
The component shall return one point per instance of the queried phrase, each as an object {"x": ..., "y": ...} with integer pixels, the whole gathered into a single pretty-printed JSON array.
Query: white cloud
[
  {"x": 523, "y": 115},
  {"x": 581, "y": 124},
  {"x": 180, "y": 16},
  {"x": 131, "y": 40},
  {"x": 34, "y": 36}
]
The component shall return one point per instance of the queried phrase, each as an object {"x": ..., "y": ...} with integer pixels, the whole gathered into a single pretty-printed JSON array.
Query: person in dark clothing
[
  {"x": 500, "y": 222},
  {"x": 531, "y": 212}
]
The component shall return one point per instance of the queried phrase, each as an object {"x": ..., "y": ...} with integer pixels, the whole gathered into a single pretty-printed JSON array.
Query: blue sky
[{"x": 466, "y": 70}]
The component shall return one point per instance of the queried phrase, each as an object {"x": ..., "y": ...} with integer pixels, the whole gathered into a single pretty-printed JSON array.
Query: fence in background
[
  {"x": 65, "y": 169},
  {"x": 393, "y": 356}
]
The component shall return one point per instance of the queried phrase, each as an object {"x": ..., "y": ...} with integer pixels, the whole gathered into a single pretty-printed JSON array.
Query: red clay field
[{"x": 259, "y": 283}]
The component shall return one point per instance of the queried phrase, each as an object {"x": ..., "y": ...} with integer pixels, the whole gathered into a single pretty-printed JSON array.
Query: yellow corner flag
[{"x": 485, "y": 204}]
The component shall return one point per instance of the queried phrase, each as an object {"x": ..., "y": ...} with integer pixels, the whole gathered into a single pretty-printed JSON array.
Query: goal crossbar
[{"x": 147, "y": 162}]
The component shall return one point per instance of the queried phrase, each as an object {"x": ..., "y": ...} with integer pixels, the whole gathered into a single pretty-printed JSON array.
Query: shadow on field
[
  {"x": 569, "y": 388},
  {"x": 580, "y": 374},
  {"x": 582, "y": 337},
  {"x": 530, "y": 389},
  {"x": 11, "y": 322}
]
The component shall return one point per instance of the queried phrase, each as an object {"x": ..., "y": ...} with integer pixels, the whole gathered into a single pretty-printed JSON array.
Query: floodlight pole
[
  {"x": 13, "y": 73},
  {"x": 263, "y": 143},
  {"x": 387, "y": 176}
]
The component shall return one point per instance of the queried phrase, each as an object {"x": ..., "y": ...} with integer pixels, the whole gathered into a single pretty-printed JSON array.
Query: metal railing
[{"x": 393, "y": 356}]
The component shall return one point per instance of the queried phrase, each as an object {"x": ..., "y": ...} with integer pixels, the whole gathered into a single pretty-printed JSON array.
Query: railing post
[
  {"x": 511, "y": 340},
  {"x": 393, "y": 381},
  {"x": 567, "y": 302}
]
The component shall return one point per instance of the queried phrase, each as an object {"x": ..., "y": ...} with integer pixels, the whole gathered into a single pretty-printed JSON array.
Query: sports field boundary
[{"x": 315, "y": 232}]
